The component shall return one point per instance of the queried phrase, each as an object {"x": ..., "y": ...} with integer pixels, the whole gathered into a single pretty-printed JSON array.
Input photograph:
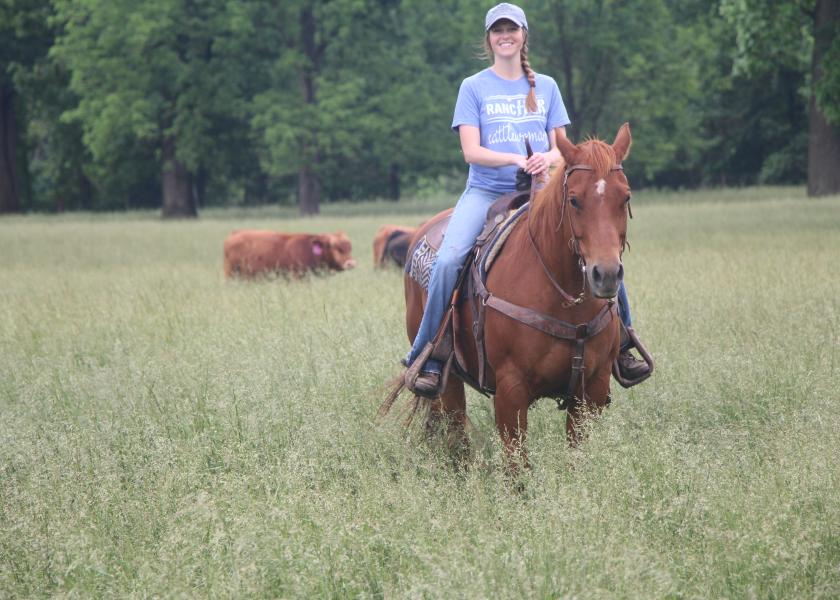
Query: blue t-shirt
[{"x": 497, "y": 107}]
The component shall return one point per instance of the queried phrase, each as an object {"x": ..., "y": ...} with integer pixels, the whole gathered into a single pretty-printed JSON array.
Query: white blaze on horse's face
[{"x": 600, "y": 186}]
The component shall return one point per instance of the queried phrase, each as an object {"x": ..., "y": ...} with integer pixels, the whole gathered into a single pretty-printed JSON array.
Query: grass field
[{"x": 165, "y": 433}]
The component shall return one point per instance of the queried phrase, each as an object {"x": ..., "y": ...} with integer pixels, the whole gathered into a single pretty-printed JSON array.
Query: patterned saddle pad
[
  {"x": 419, "y": 267},
  {"x": 422, "y": 260}
]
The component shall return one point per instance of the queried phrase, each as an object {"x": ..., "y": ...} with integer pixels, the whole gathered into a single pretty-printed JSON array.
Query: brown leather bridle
[{"x": 574, "y": 244}]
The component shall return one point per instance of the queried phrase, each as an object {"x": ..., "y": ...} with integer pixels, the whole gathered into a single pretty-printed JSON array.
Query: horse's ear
[
  {"x": 568, "y": 150},
  {"x": 622, "y": 143}
]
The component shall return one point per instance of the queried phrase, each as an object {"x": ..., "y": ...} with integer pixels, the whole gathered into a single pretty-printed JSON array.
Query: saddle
[{"x": 496, "y": 215}]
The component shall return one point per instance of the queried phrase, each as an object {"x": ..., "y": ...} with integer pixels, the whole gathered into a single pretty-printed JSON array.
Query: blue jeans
[
  {"x": 466, "y": 223},
  {"x": 624, "y": 312},
  {"x": 464, "y": 226}
]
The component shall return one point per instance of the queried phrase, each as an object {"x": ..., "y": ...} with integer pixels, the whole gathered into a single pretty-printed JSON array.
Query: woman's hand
[{"x": 537, "y": 164}]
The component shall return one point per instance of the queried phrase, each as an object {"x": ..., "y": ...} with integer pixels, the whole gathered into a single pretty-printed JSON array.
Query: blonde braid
[{"x": 531, "y": 100}]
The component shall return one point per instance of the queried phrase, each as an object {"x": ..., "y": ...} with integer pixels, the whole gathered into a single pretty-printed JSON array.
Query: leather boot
[
  {"x": 630, "y": 367},
  {"x": 427, "y": 385}
]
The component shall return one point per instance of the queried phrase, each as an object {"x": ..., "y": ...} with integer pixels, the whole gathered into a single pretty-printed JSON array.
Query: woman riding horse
[
  {"x": 497, "y": 108},
  {"x": 550, "y": 327}
]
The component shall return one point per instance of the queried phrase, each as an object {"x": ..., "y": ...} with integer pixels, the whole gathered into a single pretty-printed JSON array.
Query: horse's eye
[{"x": 575, "y": 202}]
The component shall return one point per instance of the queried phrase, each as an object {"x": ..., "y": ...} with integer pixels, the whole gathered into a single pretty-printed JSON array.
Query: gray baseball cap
[{"x": 505, "y": 11}]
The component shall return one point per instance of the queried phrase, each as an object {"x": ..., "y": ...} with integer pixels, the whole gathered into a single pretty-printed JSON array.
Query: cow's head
[{"x": 332, "y": 250}]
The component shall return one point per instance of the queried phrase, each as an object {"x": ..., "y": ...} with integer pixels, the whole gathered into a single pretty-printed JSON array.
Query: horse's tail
[{"x": 395, "y": 388}]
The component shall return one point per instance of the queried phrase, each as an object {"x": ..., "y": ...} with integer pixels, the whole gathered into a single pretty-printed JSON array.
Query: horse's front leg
[
  {"x": 597, "y": 397},
  {"x": 511, "y": 403}
]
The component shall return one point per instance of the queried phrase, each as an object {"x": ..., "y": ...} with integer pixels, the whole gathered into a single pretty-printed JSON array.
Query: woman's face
[{"x": 506, "y": 38}]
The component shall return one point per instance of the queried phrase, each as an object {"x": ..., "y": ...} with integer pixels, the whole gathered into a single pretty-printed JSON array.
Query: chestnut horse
[{"x": 562, "y": 260}]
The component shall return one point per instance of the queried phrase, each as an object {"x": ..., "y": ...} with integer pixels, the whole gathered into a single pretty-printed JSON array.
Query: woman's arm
[{"x": 475, "y": 153}]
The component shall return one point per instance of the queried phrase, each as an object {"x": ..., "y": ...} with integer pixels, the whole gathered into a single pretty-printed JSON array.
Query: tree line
[{"x": 117, "y": 104}]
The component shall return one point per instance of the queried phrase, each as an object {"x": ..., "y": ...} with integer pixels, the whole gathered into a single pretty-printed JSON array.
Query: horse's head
[{"x": 596, "y": 199}]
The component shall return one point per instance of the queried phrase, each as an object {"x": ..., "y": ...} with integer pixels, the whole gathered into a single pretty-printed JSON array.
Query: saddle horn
[{"x": 524, "y": 181}]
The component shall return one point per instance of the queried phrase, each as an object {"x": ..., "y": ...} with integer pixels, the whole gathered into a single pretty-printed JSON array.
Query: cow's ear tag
[{"x": 317, "y": 248}]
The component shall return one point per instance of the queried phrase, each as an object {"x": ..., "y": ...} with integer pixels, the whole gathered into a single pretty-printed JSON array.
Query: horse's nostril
[
  {"x": 596, "y": 274},
  {"x": 620, "y": 272}
]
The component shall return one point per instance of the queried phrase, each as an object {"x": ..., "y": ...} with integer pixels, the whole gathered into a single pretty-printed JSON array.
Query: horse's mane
[{"x": 597, "y": 154}]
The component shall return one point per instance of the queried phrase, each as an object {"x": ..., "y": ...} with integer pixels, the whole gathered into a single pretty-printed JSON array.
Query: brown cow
[
  {"x": 391, "y": 242},
  {"x": 252, "y": 252}
]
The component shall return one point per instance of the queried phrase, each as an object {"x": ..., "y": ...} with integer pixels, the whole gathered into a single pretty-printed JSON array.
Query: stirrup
[
  {"x": 413, "y": 372},
  {"x": 636, "y": 343},
  {"x": 431, "y": 387},
  {"x": 416, "y": 370}
]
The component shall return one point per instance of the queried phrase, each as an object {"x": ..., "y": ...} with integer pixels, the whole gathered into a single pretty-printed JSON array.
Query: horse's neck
[{"x": 553, "y": 240}]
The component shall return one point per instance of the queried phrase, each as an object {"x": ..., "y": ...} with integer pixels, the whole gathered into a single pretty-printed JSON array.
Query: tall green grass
[{"x": 164, "y": 432}]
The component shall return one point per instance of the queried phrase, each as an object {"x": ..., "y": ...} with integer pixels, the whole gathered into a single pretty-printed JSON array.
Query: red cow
[
  {"x": 391, "y": 242},
  {"x": 252, "y": 252}
]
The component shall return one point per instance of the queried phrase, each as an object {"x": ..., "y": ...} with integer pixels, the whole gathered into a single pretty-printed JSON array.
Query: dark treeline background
[{"x": 119, "y": 104}]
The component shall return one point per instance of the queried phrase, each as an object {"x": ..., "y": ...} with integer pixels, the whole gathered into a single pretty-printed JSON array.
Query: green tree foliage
[
  {"x": 753, "y": 125},
  {"x": 630, "y": 61},
  {"x": 58, "y": 161},
  {"x": 286, "y": 115},
  {"x": 362, "y": 91},
  {"x": 161, "y": 77},
  {"x": 24, "y": 40},
  {"x": 226, "y": 102},
  {"x": 795, "y": 33}
]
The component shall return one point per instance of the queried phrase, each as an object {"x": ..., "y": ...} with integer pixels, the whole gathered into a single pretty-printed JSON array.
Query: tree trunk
[
  {"x": 394, "y": 182},
  {"x": 823, "y": 137},
  {"x": 309, "y": 187},
  {"x": 9, "y": 182},
  {"x": 309, "y": 191},
  {"x": 200, "y": 187},
  {"x": 178, "y": 198}
]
